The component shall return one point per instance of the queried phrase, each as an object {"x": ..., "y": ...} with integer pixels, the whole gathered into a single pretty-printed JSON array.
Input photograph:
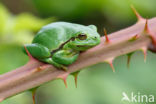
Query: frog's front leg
[{"x": 65, "y": 57}]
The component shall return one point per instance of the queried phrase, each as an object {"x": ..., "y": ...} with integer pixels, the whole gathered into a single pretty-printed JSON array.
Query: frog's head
[{"x": 85, "y": 39}]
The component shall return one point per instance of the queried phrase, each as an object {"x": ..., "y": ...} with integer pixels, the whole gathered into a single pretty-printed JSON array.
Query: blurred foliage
[
  {"x": 96, "y": 84},
  {"x": 111, "y": 14},
  {"x": 20, "y": 28}
]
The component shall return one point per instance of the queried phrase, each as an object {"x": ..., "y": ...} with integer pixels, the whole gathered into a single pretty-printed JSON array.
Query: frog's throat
[{"x": 62, "y": 45}]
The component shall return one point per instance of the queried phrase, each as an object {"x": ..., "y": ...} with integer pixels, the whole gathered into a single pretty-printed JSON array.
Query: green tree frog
[{"x": 60, "y": 43}]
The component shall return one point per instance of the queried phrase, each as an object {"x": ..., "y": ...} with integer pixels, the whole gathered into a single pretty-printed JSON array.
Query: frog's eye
[{"x": 82, "y": 36}]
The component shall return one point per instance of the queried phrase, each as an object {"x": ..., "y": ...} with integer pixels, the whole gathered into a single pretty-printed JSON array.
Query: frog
[{"x": 60, "y": 43}]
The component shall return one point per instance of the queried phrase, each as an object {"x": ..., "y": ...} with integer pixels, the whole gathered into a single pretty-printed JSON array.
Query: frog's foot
[
  {"x": 57, "y": 65},
  {"x": 63, "y": 67},
  {"x": 65, "y": 57}
]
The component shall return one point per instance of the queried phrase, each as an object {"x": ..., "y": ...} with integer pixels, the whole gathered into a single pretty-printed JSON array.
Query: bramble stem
[{"x": 28, "y": 76}]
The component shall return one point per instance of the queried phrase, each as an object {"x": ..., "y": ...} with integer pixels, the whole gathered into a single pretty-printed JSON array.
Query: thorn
[
  {"x": 149, "y": 33},
  {"x": 75, "y": 74},
  {"x": 33, "y": 96},
  {"x": 134, "y": 37},
  {"x": 129, "y": 55},
  {"x": 106, "y": 36},
  {"x": 64, "y": 78},
  {"x": 139, "y": 17},
  {"x": 33, "y": 91},
  {"x": 144, "y": 50},
  {"x": 65, "y": 82},
  {"x": 29, "y": 55},
  {"x": 111, "y": 65},
  {"x": 40, "y": 68},
  {"x": 110, "y": 62},
  {"x": 146, "y": 29}
]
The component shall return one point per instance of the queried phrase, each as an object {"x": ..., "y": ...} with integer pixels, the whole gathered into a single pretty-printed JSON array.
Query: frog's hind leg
[
  {"x": 37, "y": 50},
  {"x": 43, "y": 54},
  {"x": 57, "y": 65},
  {"x": 65, "y": 57}
]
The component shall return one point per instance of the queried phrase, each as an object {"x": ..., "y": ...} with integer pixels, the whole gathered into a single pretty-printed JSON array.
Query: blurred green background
[{"x": 21, "y": 19}]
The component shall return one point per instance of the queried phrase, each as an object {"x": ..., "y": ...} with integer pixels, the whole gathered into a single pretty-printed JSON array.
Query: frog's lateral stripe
[{"x": 61, "y": 46}]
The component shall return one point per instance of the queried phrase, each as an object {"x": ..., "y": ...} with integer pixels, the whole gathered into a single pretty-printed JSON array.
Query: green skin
[{"x": 60, "y": 43}]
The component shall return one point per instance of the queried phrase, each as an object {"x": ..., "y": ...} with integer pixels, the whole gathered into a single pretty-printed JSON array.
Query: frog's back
[{"x": 55, "y": 34}]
